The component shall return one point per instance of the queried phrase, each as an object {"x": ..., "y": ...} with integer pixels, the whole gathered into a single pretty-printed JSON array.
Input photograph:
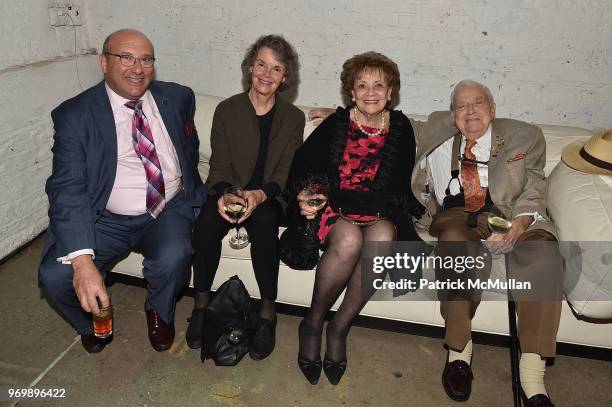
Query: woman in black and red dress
[{"x": 365, "y": 155}]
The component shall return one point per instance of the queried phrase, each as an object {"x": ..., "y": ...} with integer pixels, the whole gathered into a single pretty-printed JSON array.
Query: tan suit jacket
[
  {"x": 516, "y": 165},
  {"x": 234, "y": 141}
]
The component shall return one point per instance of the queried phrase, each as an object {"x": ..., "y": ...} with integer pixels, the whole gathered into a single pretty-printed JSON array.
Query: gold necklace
[{"x": 375, "y": 133}]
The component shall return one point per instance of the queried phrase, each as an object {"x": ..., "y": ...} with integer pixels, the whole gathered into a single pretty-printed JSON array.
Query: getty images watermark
[
  {"x": 459, "y": 264},
  {"x": 531, "y": 271}
]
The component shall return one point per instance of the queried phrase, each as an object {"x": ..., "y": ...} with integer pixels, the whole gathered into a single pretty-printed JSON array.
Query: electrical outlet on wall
[
  {"x": 57, "y": 17},
  {"x": 63, "y": 13}
]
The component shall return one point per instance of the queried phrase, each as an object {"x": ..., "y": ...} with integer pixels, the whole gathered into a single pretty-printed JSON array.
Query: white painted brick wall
[
  {"x": 27, "y": 35},
  {"x": 37, "y": 72},
  {"x": 26, "y": 137},
  {"x": 547, "y": 61}
]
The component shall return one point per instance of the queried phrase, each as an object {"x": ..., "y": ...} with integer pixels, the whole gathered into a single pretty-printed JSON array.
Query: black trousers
[{"x": 262, "y": 227}]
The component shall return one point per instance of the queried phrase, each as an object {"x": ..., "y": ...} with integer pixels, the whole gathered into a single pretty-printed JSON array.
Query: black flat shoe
[
  {"x": 334, "y": 370},
  {"x": 195, "y": 328},
  {"x": 264, "y": 340},
  {"x": 311, "y": 369}
]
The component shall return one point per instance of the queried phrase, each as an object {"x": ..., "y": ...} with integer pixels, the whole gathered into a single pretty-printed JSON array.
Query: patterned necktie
[
  {"x": 144, "y": 145},
  {"x": 473, "y": 194}
]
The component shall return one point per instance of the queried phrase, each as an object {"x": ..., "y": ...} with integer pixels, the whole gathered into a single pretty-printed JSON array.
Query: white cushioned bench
[{"x": 295, "y": 287}]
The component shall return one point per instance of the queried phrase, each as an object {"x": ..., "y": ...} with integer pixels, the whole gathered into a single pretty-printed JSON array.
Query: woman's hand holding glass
[
  {"x": 311, "y": 200},
  {"x": 232, "y": 206},
  {"x": 253, "y": 198}
]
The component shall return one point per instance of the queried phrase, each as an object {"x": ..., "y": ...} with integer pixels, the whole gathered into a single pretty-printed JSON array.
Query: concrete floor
[{"x": 385, "y": 368}]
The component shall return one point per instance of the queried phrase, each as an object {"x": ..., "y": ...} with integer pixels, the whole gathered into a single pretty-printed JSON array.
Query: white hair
[{"x": 468, "y": 82}]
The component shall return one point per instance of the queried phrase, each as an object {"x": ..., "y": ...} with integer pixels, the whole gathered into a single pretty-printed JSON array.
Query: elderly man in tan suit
[{"x": 500, "y": 162}]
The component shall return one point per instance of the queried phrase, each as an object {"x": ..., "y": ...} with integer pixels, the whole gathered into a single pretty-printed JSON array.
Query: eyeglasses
[{"x": 128, "y": 60}]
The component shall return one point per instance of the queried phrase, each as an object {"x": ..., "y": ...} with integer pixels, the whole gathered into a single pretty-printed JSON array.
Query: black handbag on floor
[{"x": 226, "y": 339}]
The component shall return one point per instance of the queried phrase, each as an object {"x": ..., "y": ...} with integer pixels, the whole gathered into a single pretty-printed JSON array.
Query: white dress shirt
[{"x": 439, "y": 163}]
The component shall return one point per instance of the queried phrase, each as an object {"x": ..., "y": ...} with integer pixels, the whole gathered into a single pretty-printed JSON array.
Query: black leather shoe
[
  {"x": 195, "y": 329},
  {"x": 264, "y": 340},
  {"x": 92, "y": 343},
  {"x": 539, "y": 400},
  {"x": 334, "y": 370},
  {"x": 457, "y": 380},
  {"x": 161, "y": 335},
  {"x": 311, "y": 369}
]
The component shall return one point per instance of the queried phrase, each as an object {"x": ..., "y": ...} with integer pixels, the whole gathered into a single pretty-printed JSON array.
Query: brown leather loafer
[
  {"x": 457, "y": 380},
  {"x": 539, "y": 400},
  {"x": 161, "y": 334},
  {"x": 92, "y": 344}
]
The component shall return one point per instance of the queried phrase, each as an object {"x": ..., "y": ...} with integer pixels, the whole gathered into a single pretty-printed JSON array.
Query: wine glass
[
  {"x": 315, "y": 195},
  {"x": 235, "y": 205},
  {"x": 498, "y": 220},
  {"x": 315, "y": 200}
]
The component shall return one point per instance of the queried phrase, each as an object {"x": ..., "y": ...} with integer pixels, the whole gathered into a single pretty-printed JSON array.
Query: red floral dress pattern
[{"x": 358, "y": 166}]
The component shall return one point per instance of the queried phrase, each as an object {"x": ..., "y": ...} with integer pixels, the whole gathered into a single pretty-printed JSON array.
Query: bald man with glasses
[{"x": 124, "y": 179}]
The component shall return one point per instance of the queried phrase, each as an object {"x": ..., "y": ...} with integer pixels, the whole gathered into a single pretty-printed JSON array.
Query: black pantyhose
[
  {"x": 339, "y": 268},
  {"x": 201, "y": 299}
]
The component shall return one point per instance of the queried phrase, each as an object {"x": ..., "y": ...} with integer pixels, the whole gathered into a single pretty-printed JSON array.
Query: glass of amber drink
[{"x": 103, "y": 322}]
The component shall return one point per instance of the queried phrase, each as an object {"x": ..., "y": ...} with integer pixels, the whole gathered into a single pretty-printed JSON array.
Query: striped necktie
[
  {"x": 474, "y": 194},
  {"x": 144, "y": 145}
]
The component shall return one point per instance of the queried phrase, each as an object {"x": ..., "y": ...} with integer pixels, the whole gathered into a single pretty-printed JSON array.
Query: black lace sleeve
[
  {"x": 299, "y": 244},
  {"x": 310, "y": 162}
]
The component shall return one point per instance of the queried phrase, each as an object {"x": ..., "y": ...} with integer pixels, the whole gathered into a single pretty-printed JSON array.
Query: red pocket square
[
  {"x": 518, "y": 156},
  {"x": 189, "y": 129}
]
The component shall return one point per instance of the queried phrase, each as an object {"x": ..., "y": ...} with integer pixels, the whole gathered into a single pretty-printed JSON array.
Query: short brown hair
[
  {"x": 282, "y": 50},
  {"x": 354, "y": 66}
]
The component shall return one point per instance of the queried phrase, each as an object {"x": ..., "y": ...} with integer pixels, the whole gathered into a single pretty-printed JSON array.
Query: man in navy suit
[{"x": 124, "y": 178}]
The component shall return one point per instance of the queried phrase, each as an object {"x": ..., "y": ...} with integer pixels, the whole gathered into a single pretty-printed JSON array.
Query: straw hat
[{"x": 592, "y": 155}]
